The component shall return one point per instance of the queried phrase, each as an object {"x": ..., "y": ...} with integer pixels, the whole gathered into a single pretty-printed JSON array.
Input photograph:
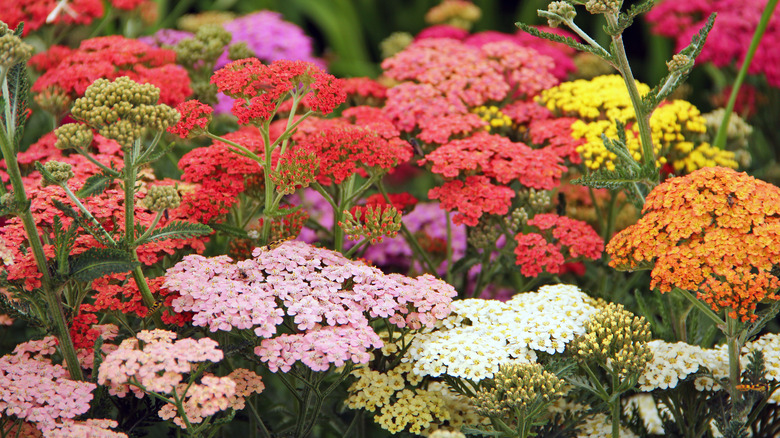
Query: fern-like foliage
[
  {"x": 764, "y": 317},
  {"x": 229, "y": 230},
  {"x": 96, "y": 184},
  {"x": 177, "y": 230},
  {"x": 19, "y": 309},
  {"x": 97, "y": 262},
  {"x": 18, "y": 95},
  {"x": 95, "y": 230},
  {"x": 626, "y": 19},
  {"x": 674, "y": 79},
  {"x": 156, "y": 154},
  {"x": 564, "y": 40},
  {"x": 622, "y": 178}
]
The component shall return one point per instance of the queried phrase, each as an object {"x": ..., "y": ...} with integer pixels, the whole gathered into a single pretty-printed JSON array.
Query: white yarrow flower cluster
[
  {"x": 670, "y": 364},
  {"x": 480, "y": 335},
  {"x": 768, "y": 344}
]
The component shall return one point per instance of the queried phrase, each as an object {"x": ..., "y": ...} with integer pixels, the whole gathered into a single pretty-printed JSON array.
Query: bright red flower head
[
  {"x": 472, "y": 198},
  {"x": 194, "y": 116}
]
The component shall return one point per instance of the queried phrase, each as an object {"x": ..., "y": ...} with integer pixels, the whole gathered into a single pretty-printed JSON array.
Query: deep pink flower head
[
  {"x": 728, "y": 42},
  {"x": 330, "y": 299},
  {"x": 442, "y": 31}
]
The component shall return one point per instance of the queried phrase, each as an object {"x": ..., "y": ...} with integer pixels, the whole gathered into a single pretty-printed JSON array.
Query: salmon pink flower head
[
  {"x": 34, "y": 389},
  {"x": 330, "y": 299},
  {"x": 260, "y": 89},
  {"x": 715, "y": 232}
]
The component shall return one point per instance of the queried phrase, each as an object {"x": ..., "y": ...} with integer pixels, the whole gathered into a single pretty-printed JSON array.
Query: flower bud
[
  {"x": 563, "y": 10},
  {"x": 73, "y": 136},
  {"x": 159, "y": 198},
  {"x": 58, "y": 173}
]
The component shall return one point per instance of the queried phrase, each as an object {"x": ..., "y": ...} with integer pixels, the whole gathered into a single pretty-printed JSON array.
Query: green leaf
[
  {"x": 481, "y": 432},
  {"x": 626, "y": 19},
  {"x": 94, "y": 230},
  {"x": 97, "y": 262},
  {"x": 97, "y": 358},
  {"x": 95, "y": 185},
  {"x": 154, "y": 156},
  {"x": 563, "y": 40},
  {"x": 177, "y": 230},
  {"x": 63, "y": 242},
  {"x": 671, "y": 81}
]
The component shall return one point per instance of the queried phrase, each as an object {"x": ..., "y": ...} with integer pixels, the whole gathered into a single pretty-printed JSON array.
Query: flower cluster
[
  {"x": 72, "y": 71},
  {"x": 371, "y": 223},
  {"x": 34, "y": 389},
  {"x": 195, "y": 118},
  {"x": 730, "y": 36},
  {"x": 472, "y": 198},
  {"x": 562, "y": 240},
  {"x": 522, "y": 388},
  {"x": 598, "y": 103},
  {"x": 260, "y": 89},
  {"x": 480, "y": 335},
  {"x": 154, "y": 361},
  {"x": 402, "y": 400},
  {"x": 35, "y": 13},
  {"x": 330, "y": 299},
  {"x": 688, "y": 233},
  {"x": 672, "y": 363}
]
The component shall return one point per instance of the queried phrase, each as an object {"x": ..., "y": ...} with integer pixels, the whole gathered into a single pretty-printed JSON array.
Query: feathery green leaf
[{"x": 97, "y": 262}]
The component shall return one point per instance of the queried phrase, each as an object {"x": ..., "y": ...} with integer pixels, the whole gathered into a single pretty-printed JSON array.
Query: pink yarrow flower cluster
[
  {"x": 329, "y": 299},
  {"x": 154, "y": 361},
  {"x": 34, "y": 389}
]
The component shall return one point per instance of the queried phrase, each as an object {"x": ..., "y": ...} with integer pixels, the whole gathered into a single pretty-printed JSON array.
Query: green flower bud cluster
[
  {"x": 484, "y": 235},
  {"x": 679, "y": 62},
  {"x": 371, "y": 223},
  {"x": 536, "y": 200},
  {"x": 73, "y": 136},
  {"x": 603, "y": 6},
  {"x": 240, "y": 51},
  {"x": 12, "y": 49},
  {"x": 521, "y": 387},
  {"x": 57, "y": 173},
  {"x": 54, "y": 101},
  {"x": 617, "y": 340},
  {"x": 394, "y": 43},
  {"x": 123, "y": 110},
  {"x": 516, "y": 219},
  {"x": 159, "y": 198},
  {"x": 207, "y": 45},
  {"x": 563, "y": 10}
]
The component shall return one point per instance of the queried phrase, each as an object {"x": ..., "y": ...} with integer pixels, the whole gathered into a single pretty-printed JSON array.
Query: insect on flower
[{"x": 62, "y": 6}]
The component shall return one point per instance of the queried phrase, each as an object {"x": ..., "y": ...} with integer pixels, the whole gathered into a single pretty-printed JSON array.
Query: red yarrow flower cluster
[
  {"x": 34, "y": 13},
  {"x": 562, "y": 240},
  {"x": 714, "y": 232},
  {"x": 259, "y": 89},
  {"x": 111, "y": 57},
  {"x": 500, "y": 158},
  {"x": 195, "y": 117},
  {"x": 404, "y": 202},
  {"x": 472, "y": 198}
]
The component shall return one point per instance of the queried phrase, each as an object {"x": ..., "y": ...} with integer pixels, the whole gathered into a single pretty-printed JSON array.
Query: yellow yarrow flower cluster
[
  {"x": 401, "y": 400},
  {"x": 676, "y": 127}
]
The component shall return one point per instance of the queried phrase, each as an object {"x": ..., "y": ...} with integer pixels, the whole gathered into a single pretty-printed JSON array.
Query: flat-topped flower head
[
  {"x": 260, "y": 89},
  {"x": 713, "y": 232},
  {"x": 330, "y": 300},
  {"x": 195, "y": 118}
]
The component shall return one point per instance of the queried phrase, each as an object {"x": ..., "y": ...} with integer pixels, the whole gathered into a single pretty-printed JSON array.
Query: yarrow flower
[
  {"x": 472, "y": 198},
  {"x": 111, "y": 57},
  {"x": 260, "y": 88},
  {"x": 688, "y": 234},
  {"x": 480, "y": 335},
  {"x": 195, "y": 117},
  {"x": 330, "y": 299},
  {"x": 671, "y": 363}
]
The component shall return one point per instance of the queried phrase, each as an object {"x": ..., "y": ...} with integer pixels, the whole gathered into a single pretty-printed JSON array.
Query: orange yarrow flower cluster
[{"x": 714, "y": 231}]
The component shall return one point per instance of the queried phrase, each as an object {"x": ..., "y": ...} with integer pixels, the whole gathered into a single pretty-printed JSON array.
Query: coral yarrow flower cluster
[
  {"x": 330, "y": 299},
  {"x": 715, "y": 232},
  {"x": 259, "y": 89}
]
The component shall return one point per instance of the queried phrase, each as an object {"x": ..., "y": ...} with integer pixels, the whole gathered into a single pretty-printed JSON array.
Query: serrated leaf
[
  {"x": 94, "y": 230},
  {"x": 18, "y": 90},
  {"x": 95, "y": 185},
  {"x": 97, "y": 262},
  {"x": 564, "y": 40},
  {"x": 229, "y": 229},
  {"x": 625, "y": 20},
  {"x": 177, "y": 230},
  {"x": 671, "y": 81},
  {"x": 154, "y": 156}
]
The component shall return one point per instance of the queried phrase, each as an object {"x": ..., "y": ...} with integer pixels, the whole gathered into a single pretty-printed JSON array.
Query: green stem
[
  {"x": 721, "y": 324},
  {"x": 734, "y": 348},
  {"x": 615, "y": 407},
  {"x": 720, "y": 137},
  {"x": 149, "y": 230},
  {"x": 53, "y": 299},
  {"x": 448, "y": 275},
  {"x": 410, "y": 238},
  {"x": 97, "y": 163},
  {"x": 130, "y": 241},
  {"x": 247, "y": 152},
  {"x": 642, "y": 116},
  {"x": 265, "y": 433}
]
